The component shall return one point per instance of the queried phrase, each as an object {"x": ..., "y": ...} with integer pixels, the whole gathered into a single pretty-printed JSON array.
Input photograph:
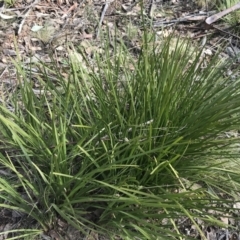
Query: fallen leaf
[{"x": 36, "y": 28}]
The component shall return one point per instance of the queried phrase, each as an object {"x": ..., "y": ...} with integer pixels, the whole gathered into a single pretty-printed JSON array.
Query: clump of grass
[{"x": 120, "y": 150}]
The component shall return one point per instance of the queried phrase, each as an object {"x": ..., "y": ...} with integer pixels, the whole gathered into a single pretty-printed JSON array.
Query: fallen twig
[
  {"x": 219, "y": 15},
  {"x": 195, "y": 17},
  {"x": 25, "y": 16},
  {"x": 102, "y": 16}
]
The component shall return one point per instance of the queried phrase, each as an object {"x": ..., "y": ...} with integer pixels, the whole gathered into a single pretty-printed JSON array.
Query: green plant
[
  {"x": 9, "y": 2},
  {"x": 120, "y": 151}
]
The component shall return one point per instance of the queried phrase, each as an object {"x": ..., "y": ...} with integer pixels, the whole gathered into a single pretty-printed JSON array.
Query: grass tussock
[{"x": 122, "y": 151}]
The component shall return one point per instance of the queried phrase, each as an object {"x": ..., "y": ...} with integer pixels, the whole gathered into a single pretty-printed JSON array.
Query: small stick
[
  {"x": 102, "y": 16},
  {"x": 216, "y": 16},
  {"x": 25, "y": 16},
  {"x": 231, "y": 34},
  {"x": 151, "y": 9}
]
